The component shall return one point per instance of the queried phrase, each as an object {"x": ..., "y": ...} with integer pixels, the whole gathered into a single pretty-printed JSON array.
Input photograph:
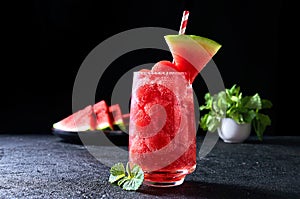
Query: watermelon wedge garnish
[
  {"x": 81, "y": 120},
  {"x": 104, "y": 119},
  {"x": 191, "y": 53}
]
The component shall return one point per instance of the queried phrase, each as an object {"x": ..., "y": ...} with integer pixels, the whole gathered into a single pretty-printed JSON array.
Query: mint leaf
[
  {"x": 117, "y": 172},
  {"x": 121, "y": 181},
  {"x": 249, "y": 116},
  {"x": 266, "y": 103},
  {"x": 254, "y": 102},
  {"x": 128, "y": 170},
  {"x": 132, "y": 184},
  {"x": 213, "y": 123},
  {"x": 260, "y": 123},
  {"x": 133, "y": 180}
]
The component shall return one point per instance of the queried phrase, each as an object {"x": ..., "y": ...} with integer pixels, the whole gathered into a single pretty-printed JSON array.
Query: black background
[{"x": 46, "y": 41}]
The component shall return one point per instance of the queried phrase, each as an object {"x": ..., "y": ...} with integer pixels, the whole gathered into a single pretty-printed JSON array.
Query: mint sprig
[
  {"x": 232, "y": 104},
  {"x": 132, "y": 181}
]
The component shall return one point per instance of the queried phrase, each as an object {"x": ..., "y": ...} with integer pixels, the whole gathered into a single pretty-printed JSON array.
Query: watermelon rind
[
  {"x": 210, "y": 45},
  {"x": 104, "y": 126},
  {"x": 119, "y": 125}
]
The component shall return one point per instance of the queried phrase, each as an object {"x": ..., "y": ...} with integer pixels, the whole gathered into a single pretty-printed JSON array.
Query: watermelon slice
[
  {"x": 191, "y": 53},
  {"x": 104, "y": 120},
  {"x": 81, "y": 120},
  {"x": 116, "y": 115},
  {"x": 126, "y": 118}
]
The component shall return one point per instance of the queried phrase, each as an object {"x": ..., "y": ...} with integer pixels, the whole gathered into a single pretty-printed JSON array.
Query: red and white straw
[
  {"x": 184, "y": 21},
  {"x": 183, "y": 24}
]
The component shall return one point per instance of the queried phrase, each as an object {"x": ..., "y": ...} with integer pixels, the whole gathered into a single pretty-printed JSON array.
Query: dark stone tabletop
[{"x": 45, "y": 166}]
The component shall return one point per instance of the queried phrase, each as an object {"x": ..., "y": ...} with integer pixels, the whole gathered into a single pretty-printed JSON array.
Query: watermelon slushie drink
[{"x": 162, "y": 130}]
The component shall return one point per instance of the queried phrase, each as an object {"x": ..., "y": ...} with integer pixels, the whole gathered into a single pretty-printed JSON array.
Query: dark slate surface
[{"x": 44, "y": 166}]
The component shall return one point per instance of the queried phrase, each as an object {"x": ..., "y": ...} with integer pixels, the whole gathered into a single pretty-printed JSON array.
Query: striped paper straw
[
  {"x": 183, "y": 24},
  {"x": 184, "y": 21}
]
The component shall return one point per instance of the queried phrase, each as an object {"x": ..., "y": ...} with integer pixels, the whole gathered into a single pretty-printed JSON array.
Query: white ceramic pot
[{"x": 232, "y": 132}]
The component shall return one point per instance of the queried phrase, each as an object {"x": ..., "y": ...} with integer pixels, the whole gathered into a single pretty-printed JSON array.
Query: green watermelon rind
[
  {"x": 116, "y": 115},
  {"x": 104, "y": 126},
  {"x": 210, "y": 45},
  {"x": 119, "y": 124}
]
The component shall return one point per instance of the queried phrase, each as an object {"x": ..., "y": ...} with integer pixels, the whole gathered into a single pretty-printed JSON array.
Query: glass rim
[{"x": 160, "y": 72}]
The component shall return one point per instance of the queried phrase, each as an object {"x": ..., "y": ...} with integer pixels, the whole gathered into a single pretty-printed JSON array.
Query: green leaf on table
[
  {"x": 117, "y": 172},
  {"x": 133, "y": 180}
]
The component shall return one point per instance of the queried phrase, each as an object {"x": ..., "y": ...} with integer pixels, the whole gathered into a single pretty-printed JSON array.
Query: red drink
[{"x": 162, "y": 130}]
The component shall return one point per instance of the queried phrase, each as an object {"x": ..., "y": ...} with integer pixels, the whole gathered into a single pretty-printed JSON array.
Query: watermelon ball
[{"x": 164, "y": 66}]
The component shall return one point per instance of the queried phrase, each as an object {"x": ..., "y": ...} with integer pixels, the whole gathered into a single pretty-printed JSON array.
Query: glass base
[
  {"x": 164, "y": 184},
  {"x": 166, "y": 178}
]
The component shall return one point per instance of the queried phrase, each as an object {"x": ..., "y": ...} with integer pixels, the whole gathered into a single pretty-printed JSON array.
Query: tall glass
[{"x": 162, "y": 130}]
